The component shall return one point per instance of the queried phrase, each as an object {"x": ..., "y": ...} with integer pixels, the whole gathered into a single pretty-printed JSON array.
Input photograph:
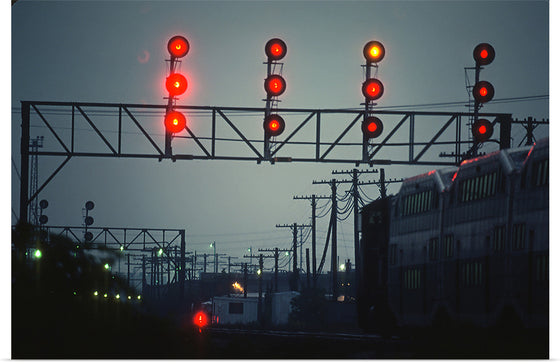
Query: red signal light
[
  {"x": 275, "y": 85},
  {"x": 274, "y": 125},
  {"x": 200, "y": 319},
  {"x": 374, "y": 51},
  {"x": 275, "y": 49},
  {"x": 483, "y": 54},
  {"x": 372, "y": 89},
  {"x": 482, "y": 130},
  {"x": 178, "y": 46},
  {"x": 483, "y": 91},
  {"x": 175, "y": 122},
  {"x": 176, "y": 84},
  {"x": 372, "y": 127}
]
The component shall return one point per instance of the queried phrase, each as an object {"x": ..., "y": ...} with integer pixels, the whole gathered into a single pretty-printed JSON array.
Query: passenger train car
[{"x": 467, "y": 244}]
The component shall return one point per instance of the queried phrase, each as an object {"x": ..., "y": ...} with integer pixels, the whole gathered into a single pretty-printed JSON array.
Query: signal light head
[
  {"x": 374, "y": 51},
  {"x": 482, "y": 130},
  {"x": 275, "y": 49},
  {"x": 274, "y": 125},
  {"x": 275, "y": 85},
  {"x": 372, "y": 127},
  {"x": 200, "y": 319},
  {"x": 175, "y": 122},
  {"x": 483, "y": 91},
  {"x": 372, "y": 89},
  {"x": 483, "y": 54},
  {"x": 176, "y": 84},
  {"x": 178, "y": 46}
]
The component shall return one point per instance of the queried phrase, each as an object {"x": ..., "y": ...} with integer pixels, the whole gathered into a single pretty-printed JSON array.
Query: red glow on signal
[
  {"x": 484, "y": 53},
  {"x": 275, "y": 49},
  {"x": 275, "y": 85},
  {"x": 176, "y": 84},
  {"x": 274, "y": 125},
  {"x": 175, "y": 122},
  {"x": 200, "y": 319},
  {"x": 483, "y": 91},
  {"x": 372, "y": 127},
  {"x": 482, "y": 129},
  {"x": 372, "y": 89},
  {"x": 178, "y": 46}
]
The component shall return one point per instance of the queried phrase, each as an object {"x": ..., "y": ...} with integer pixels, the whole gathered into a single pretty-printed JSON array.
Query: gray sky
[{"x": 107, "y": 51}]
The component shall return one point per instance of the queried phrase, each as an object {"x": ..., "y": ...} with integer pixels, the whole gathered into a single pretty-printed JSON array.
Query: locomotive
[{"x": 466, "y": 244}]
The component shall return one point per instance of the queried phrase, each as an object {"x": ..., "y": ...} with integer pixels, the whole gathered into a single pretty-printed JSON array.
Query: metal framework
[
  {"x": 160, "y": 252},
  {"x": 314, "y": 135}
]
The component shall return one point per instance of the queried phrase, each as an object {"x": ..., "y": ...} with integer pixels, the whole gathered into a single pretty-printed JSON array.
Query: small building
[{"x": 234, "y": 310}]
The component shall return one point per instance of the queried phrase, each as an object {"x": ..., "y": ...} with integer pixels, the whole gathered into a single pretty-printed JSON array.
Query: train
[{"x": 465, "y": 245}]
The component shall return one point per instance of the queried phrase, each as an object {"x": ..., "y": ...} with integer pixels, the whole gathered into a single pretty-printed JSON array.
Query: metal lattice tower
[{"x": 34, "y": 145}]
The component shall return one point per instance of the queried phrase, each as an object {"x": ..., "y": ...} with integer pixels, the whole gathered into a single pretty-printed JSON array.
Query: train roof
[{"x": 510, "y": 160}]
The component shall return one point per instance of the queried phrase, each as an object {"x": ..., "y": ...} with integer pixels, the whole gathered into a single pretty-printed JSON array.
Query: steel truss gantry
[
  {"x": 312, "y": 135},
  {"x": 160, "y": 252}
]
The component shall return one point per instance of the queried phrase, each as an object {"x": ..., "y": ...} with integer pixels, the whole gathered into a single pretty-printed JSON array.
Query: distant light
[
  {"x": 95, "y": 293},
  {"x": 118, "y": 296},
  {"x": 160, "y": 252},
  {"x": 259, "y": 272},
  {"x": 107, "y": 266},
  {"x": 342, "y": 267},
  {"x": 74, "y": 293},
  {"x": 287, "y": 253},
  {"x": 122, "y": 248},
  {"x": 129, "y": 297},
  {"x": 105, "y": 295},
  {"x": 211, "y": 245},
  {"x": 38, "y": 254},
  {"x": 139, "y": 297}
]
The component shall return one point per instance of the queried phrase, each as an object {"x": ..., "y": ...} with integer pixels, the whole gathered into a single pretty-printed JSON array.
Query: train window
[
  {"x": 472, "y": 274},
  {"x": 419, "y": 202},
  {"x": 448, "y": 246},
  {"x": 412, "y": 278},
  {"x": 478, "y": 187},
  {"x": 518, "y": 241},
  {"x": 433, "y": 251},
  {"x": 540, "y": 173},
  {"x": 393, "y": 254},
  {"x": 499, "y": 240}
]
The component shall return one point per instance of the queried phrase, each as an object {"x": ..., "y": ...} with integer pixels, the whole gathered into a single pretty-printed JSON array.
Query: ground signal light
[
  {"x": 372, "y": 127},
  {"x": 200, "y": 319},
  {"x": 175, "y": 122},
  {"x": 483, "y": 54},
  {"x": 374, "y": 51},
  {"x": 178, "y": 46},
  {"x": 483, "y": 91},
  {"x": 274, "y": 125},
  {"x": 275, "y": 49},
  {"x": 482, "y": 130},
  {"x": 176, "y": 84},
  {"x": 372, "y": 89},
  {"x": 274, "y": 85}
]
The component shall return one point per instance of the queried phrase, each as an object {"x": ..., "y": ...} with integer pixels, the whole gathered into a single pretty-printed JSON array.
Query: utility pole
[
  {"x": 334, "y": 268},
  {"x": 276, "y": 257},
  {"x": 294, "y": 227},
  {"x": 313, "y": 199}
]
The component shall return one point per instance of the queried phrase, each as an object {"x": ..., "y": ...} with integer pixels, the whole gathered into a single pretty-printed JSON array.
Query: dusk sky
[{"x": 115, "y": 51}]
